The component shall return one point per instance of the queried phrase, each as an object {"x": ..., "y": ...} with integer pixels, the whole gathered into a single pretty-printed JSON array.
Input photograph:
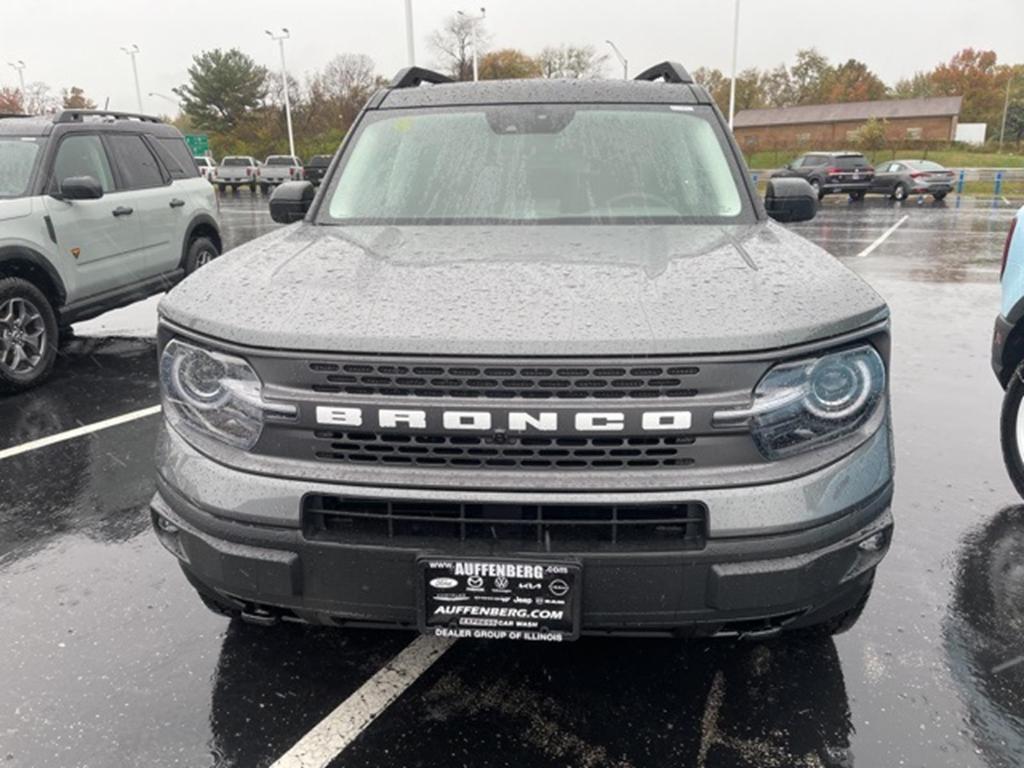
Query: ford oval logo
[{"x": 443, "y": 582}]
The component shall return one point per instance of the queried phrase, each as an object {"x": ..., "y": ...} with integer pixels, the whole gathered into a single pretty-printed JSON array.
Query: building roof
[{"x": 892, "y": 109}]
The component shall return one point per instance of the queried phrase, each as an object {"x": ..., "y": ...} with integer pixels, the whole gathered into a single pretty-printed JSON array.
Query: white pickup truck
[
  {"x": 237, "y": 171},
  {"x": 278, "y": 169}
]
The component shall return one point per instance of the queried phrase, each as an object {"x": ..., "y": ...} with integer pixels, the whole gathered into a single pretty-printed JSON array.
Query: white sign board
[{"x": 971, "y": 133}]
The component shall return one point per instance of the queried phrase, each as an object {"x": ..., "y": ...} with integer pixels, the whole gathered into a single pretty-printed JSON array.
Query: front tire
[
  {"x": 816, "y": 186},
  {"x": 901, "y": 192},
  {"x": 845, "y": 621},
  {"x": 28, "y": 335},
  {"x": 1011, "y": 429}
]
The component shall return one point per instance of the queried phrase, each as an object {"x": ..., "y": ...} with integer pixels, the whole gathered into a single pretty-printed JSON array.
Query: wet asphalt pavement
[{"x": 110, "y": 659}]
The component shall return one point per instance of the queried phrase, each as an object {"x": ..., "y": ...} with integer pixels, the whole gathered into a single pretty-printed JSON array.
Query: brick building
[{"x": 834, "y": 126}]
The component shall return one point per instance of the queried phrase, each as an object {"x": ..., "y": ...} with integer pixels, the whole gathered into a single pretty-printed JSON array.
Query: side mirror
[
  {"x": 291, "y": 200},
  {"x": 790, "y": 200},
  {"x": 81, "y": 188}
]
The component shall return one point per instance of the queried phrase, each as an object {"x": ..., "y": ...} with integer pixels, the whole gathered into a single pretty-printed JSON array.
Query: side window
[
  {"x": 895, "y": 167},
  {"x": 82, "y": 156},
  {"x": 175, "y": 156},
  {"x": 138, "y": 167}
]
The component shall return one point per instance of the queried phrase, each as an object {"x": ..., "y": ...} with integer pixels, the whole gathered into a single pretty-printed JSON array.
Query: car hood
[{"x": 525, "y": 290}]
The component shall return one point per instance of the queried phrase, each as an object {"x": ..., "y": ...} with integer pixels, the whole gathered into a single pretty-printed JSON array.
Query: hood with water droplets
[{"x": 525, "y": 290}]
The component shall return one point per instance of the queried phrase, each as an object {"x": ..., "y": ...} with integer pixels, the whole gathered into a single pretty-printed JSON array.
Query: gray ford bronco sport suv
[
  {"x": 534, "y": 362},
  {"x": 97, "y": 209}
]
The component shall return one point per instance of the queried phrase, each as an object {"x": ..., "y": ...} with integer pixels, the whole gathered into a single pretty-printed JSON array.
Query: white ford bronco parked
[{"x": 97, "y": 210}]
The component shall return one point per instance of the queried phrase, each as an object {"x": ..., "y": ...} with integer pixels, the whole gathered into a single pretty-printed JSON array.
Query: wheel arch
[
  {"x": 30, "y": 265},
  {"x": 202, "y": 225},
  {"x": 1011, "y": 353}
]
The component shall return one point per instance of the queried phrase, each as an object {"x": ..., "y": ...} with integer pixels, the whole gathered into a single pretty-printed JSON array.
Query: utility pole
[
  {"x": 735, "y": 51},
  {"x": 410, "y": 41},
  {"x": 1006, "y": 109},
  {"x": 475, "y": 20},
  {"x": 283, "y": 35},
  {"x": 132, "y": 50},
  {"x": 621, "y": 58}
]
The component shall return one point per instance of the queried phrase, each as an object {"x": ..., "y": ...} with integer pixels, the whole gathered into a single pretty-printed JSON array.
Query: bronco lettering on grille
[{"x": 510, "y": 421}]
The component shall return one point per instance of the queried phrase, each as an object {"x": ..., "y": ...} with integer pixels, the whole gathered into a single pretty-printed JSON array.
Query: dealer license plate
[{"x": 494, "y": 599}]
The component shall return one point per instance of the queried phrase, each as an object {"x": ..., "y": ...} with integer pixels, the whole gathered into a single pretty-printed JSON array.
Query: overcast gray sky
[{"x": 76, "y": 42}]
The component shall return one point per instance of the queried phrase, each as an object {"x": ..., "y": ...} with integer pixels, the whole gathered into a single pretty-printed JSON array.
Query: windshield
[
  {"x": 236, "y": 162},
  {"x": 201, "y": 161},
  {"x": 280, "y": 160},
  {"x": 539, "y": 164},
  {"x": 17, "y": 158},
  {"x": 323, "y": 160}
]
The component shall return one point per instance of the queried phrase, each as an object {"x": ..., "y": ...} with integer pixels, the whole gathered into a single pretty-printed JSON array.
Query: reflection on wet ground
[{"x": 111, "y": 661}]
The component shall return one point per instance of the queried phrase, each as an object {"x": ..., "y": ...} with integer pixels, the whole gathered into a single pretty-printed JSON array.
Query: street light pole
[
  {"x": 1006, "y": 110},
  {"x": 475, "y": 20},
  {"x": 735, "y": 51},
  {"x": 132, "y": 50},
  {"x": 283, "y": 35},
  {"x": 621, "y": 58},
  {"x": 19, "y": 67},
  {"x": 410, "y": 42}
]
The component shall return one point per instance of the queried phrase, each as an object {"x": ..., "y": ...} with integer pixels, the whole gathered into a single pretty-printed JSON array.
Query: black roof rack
[
  {"x": 77, "y": 115},
  {"x": 669, "y": 71},
  {"x": 411, "y": 77}
]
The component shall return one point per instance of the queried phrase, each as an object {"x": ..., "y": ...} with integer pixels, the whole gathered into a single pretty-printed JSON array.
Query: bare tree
[
  {"x": 572, "y": 61},
  {"x": 38, "y": 99},
  {"x": 453, "y": 45}
]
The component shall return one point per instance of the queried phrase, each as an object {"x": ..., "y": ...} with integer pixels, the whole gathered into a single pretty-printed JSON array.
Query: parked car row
[
  {"x": 851, "y": 173},
  {"x": 237, "y": 171}
]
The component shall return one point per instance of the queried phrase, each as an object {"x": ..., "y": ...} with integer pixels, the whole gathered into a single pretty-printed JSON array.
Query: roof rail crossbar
[
  {"x": 76, "y": 115},
  {"x": 13, "y": 114},
  {"x": 411, "y": 77},
  {"x": 669, "y": 71}
]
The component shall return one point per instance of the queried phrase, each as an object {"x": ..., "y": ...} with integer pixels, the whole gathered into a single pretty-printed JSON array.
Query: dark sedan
[{"x": 899, "y": 179}]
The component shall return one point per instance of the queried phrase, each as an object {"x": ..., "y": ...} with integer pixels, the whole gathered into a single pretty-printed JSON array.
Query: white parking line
[
  {"x": 71, "y": 434},
  {"x": 883, "y": 237},
  {"x": 331, "y": 735}
]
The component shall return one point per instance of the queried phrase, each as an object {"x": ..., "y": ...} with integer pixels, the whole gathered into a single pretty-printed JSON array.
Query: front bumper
[{"x": 744, "y": 579}]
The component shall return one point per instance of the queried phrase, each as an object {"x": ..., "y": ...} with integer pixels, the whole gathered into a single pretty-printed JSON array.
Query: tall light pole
[
  {"x": 132, "y": 50},
  {"x": 19, "y": 67},
  {"x": 475, "y": 21},
  {"x": 410, "y": 42},
  {"x": 1006, "y": 109},
  {"x": 735, "y": 51},
  {"x": 621, "y": 58},
  {"x": 280, "y": 37}
]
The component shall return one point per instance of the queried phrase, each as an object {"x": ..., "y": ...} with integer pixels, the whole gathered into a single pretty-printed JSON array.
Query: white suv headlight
[
  {"x": 805, "y": 404},
  {"x": 213, "y": 394}
]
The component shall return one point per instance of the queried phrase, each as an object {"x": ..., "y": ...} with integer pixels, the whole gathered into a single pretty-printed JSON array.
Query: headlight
[
  {"x": 213, "y": 394},
  {"x": 806, "y": 404}
]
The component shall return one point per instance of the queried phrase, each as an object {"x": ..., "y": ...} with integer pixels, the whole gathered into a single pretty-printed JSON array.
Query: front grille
[
  {"x": 536, "y": 382},
  {"x": 505, "y": 527},
  {"x": 469, "y": 451}
]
